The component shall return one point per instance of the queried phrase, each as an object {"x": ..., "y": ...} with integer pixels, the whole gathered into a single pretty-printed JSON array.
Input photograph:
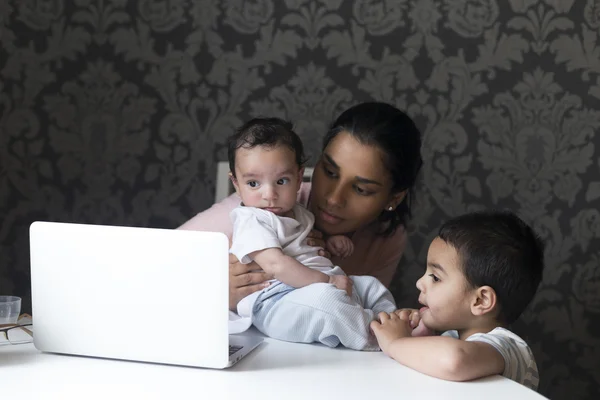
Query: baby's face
[
  {"x": 267, "y": 178},
  {"x": 445, "y": 292}
]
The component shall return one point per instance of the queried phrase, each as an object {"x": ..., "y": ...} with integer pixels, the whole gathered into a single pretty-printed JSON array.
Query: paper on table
[
  {"x": 24, "y": 319},
  {"x": 23, "y": 335}
]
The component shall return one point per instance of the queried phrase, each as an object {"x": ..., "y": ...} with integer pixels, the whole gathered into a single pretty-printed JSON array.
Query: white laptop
[{"x": 153, "y": 295}]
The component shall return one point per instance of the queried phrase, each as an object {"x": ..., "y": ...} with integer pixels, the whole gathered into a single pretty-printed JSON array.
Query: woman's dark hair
[
  {"x": 268, "y": 132},
  {"x": 396, "y": 135}
]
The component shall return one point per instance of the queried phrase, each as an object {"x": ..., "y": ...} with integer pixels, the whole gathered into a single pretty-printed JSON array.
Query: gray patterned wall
[{"x": 116, "y": 111}]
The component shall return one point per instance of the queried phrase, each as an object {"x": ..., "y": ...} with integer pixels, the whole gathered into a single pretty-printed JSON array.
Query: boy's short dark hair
[
  {"x": 498, "y": 249},
  {"x": 268, "y": 132}
]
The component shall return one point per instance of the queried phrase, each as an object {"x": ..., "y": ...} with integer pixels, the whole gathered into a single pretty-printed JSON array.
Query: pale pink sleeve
[
  {"x": 304, "y": 193},
  {"x": 391, "y": 253},
  {"x": 216, "y": 218}
]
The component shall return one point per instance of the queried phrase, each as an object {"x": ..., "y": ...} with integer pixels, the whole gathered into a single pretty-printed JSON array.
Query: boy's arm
[
  {"x": 447, "y": 358},
  {"x": 287, "y": 269}
]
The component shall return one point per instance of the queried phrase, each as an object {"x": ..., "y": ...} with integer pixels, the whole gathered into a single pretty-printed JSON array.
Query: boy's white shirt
[
  {"x": 519, "y": 363},
  {"x": 255, "y": 229}
]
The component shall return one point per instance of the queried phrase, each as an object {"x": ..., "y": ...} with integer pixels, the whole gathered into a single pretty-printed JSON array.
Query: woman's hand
[
  {"x": 244, "y": 279},
  {"x": 315, "y": 238}
]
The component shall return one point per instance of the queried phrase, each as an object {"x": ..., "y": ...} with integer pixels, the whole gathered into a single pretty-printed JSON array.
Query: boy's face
[
  {"x": 267, "y": 178},
  {"x": 445, "y": 292}
]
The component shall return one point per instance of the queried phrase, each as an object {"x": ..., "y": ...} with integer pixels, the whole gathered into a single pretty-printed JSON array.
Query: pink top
[{"x": 373, "y": 255}]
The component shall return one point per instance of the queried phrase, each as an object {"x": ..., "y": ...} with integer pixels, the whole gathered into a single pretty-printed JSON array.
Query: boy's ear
[
  {"x": 484, "y": 301},
  {"x": 234, "y": 182}
]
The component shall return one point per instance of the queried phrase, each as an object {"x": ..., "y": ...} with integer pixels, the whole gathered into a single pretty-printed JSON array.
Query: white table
[{"x": 275, "y": 370}]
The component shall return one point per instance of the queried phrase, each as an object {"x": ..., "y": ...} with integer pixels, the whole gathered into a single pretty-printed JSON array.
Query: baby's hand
[
  {"x": 342, "y": 282},
  {"x": 340, "y": 246},
  {"x": 389, "y": 328}
]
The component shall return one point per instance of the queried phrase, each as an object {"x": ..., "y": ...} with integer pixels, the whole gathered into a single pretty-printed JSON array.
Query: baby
[{"x": 310, "y": 299}]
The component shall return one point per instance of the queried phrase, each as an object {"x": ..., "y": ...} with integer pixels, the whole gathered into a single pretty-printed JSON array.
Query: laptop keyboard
[{"x": 233, "y": 349}]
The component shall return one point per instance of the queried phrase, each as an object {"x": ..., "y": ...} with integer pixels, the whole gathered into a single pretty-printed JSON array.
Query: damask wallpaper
[{"x": 116, "y": 112}]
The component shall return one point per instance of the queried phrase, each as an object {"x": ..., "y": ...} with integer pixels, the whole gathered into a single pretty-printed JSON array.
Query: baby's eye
[
  {"x": 252, "y": 184},
  {"x": 435, "y": 278},
  {"x": 283, "y": 181}
]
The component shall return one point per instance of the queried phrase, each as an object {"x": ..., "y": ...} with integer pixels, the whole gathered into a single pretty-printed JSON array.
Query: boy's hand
[
  {"x": 340, "y": 246},
  {"x": 409, "y": 314},
  {"x": 342, "y": 282},
  {"x": 389, "y": 328},
  {"x": 422, "y": 330},
  {"x": 413, "y": 317}
]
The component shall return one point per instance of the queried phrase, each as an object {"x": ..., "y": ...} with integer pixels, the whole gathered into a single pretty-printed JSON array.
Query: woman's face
[{"x": 350, "y": 186}]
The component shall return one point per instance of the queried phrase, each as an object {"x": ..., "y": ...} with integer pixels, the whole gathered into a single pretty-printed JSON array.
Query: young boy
[
  {"x": 310, "y": 299},
  {"x": 483, "y": 269}
]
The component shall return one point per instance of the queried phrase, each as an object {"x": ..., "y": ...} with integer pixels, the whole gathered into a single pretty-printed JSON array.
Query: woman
[{"x": 361, "y": 187}]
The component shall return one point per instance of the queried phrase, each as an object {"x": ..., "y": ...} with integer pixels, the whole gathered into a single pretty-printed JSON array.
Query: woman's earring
[{"x": 390, "y": 208}]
